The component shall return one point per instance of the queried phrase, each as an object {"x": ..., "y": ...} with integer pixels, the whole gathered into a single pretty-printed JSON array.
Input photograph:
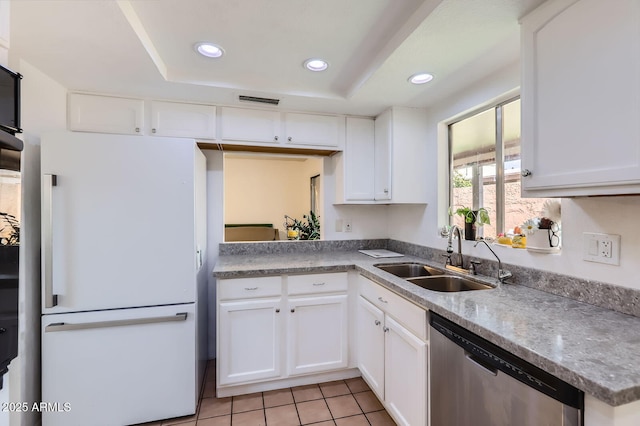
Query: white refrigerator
[{"x": 123, "y": 240}]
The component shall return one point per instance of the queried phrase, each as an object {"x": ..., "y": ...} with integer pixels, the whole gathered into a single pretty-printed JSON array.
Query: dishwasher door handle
[{"x": 481, "y": 364}]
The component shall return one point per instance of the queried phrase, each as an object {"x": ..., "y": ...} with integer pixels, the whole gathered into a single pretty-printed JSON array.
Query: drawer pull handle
[
  {"x": 251, "y": 288},
  {"x": 377, "y": 322},
  {"x": 385, "y": 329},
  {"x": 382, "y": 300},
  {"x": 318, "y": 284}
]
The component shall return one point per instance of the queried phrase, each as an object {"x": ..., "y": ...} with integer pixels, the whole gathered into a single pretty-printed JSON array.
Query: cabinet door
[
  {"x": 249, "y": 340},
  {"x": 359, "y": 160},
  {"x": 581, "y": 97},
  {"x": 310, "y": 129},
  {"x": 249, "y": 125},
  {"x": 318, "y": 334},
  {"x": 183, "y": 120},
  {"x": 405, "y": 375},
  {"x": 370, "y": 341},
  {"x": 105, "y": 114},
  {"x": 382, "y": 156}
]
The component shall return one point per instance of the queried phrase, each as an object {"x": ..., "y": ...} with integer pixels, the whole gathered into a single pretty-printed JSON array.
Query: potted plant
[
  {"x": 472, "y": 219},
  {"x": 298, "y": 230}
]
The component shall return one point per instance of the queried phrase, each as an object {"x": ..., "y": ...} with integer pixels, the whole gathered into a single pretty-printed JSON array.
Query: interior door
[{"x": 118, "y": 221}]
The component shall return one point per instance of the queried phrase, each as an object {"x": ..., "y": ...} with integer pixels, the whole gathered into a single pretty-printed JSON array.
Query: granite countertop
[{"x": 595, "y": 349}]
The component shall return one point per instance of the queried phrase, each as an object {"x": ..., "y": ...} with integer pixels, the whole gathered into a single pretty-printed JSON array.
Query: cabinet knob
[
  {"x": 526, "y": 173},
  {"x": 377, "y": 322},
  {"x": 277, "y": 310},
  {"x": 275, "y": 138},
  {"x": 137, "y": 129},
  {"x": 292, "y": 310},
  {"x": 153, "y": 130},
  {"x": 385, "y": 329},
  {"x": 2, "y": 330},
  {"x": 386, "y": 190},
  {"x": 289, "y": 138}
]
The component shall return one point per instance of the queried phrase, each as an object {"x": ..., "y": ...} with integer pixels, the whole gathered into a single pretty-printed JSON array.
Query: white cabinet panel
[
  {"x": 318, "y": 283},
  {"x": 371, "y": 345},
  {"x": 581, "y": 98},
  {"x": 105, "y": 114},
  {"x": 145, "y": 369},
  {"x": 382, "y": 156},
  {"x": 249, "y": 125},
  {"x": 311, "y": 129},
  {"x": 5, "y": 21},
  {"x": 359, "y": 163},
  {"x": 318, "y": 334},
  {"x": 183, "y": 120},
  {"x": 405, "y": 375},
  {"x": 249, "y": 340}
]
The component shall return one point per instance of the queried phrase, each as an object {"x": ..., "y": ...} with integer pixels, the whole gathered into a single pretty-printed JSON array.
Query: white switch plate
[
  {"x": 338, "y": 225},
  {"x": 601, "y": 248},
  {"x": 348, "y": 226}
]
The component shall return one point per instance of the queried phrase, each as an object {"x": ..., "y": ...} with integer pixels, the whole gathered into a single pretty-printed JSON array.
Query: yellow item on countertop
[
  {"x": 519, "y": 241},
  {"x": 504, "y": 240}
]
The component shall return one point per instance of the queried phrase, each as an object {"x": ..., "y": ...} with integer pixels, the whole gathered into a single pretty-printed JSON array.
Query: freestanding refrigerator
[{"x": 123, "y": 238}]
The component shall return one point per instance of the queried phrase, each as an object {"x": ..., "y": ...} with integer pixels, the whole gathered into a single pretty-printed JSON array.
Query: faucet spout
[
  {"x": 503, "y": 274},
  {"x": 460, "y": 261}
]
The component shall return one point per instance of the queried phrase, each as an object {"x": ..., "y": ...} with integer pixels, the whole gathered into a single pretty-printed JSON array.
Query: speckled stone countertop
[{"x": 595, "y": 349}]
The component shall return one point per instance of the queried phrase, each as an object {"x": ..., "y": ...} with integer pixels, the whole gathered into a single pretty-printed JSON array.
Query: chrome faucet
[
  {"x": 460, "y": 262},
  {"x": 503, "y": 274}
]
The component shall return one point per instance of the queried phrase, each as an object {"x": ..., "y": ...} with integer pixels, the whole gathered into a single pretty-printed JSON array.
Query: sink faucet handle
[
  {"x": 503, "y": 274},
  {"x": 473, "y": 267}
]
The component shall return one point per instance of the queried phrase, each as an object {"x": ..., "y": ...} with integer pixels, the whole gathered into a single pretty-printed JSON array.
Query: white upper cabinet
[
  {"x": 355, "y": 165},
  {"x": 183, "y": 120},
  {"x": 383, "y": 161},
  {"x": 4, "y": 24},
  {"x": 581, "y": 98},
  {"x": 105, "y": 114},
  {"x": 314, "y": 130},
  {"x": 250, "y": 125},
  {"x": 382, "y": 156}
]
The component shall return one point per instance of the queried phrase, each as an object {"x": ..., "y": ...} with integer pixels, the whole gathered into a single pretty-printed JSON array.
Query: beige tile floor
[{"x": 340, "y": 403}]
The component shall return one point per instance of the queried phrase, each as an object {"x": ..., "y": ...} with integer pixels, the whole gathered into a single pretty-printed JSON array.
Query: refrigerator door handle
[
  {"x": 61, "y": 326},
  {"x": 48, "y": 182}
]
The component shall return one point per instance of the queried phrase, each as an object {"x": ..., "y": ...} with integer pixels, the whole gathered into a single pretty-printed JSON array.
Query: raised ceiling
[{"x": 145, "y": 48}]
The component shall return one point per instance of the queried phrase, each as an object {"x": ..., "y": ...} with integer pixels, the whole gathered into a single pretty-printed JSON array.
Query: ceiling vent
[{"x": 255, "y": 99}]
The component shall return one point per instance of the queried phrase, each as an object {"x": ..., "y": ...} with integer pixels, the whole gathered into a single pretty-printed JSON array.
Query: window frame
[{"x": 499, "y": 154}]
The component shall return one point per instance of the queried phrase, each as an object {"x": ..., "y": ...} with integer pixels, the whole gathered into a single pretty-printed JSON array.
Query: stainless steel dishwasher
[{"x": 474, "y": 382}]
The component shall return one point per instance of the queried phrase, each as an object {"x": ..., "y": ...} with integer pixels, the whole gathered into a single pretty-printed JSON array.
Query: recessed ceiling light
[
  {"x": 316, "y": 65},
  {"x": 420, "y": 78},
  {"x": 209, "y": 50}
]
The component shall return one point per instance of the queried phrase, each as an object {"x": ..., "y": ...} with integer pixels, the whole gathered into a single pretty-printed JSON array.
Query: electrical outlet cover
[{"x": 601, "y": 248}]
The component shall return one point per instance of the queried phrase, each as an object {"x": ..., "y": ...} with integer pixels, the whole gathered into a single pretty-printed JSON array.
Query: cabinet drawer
[
  {"x": 246, "y": 288},
  {"x": 410, "y": 315},
  {"x": 318, "y": 283}
]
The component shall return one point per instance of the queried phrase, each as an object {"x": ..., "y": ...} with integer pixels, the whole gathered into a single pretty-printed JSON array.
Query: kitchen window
[{"x": 484, "y": 159}]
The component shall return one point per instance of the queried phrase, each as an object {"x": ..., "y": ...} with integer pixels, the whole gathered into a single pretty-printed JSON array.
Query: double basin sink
[{"x": 431, "y": 278}]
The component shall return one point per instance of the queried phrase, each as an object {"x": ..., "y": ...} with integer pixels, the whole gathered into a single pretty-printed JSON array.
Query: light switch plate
[{"x": 601, "y": 248}]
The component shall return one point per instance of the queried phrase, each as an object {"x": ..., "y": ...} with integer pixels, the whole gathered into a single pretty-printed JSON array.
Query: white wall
[
  {"x": 263, "y": 188},
  {"x": 615, "y": 215}
]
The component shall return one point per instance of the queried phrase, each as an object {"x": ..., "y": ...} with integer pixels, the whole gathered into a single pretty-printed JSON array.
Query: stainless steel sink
[
  {"x": 448, "y": 283},
  {"x": 409, "y": 270}
]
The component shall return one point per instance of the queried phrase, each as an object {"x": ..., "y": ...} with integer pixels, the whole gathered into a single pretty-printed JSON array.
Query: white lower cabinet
[
  {"x": 249, "y": 340},
  {"x": 392, "y": 352},
  {"x": 272, "y": 328},
  {"x": 318, "y": 334}
]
